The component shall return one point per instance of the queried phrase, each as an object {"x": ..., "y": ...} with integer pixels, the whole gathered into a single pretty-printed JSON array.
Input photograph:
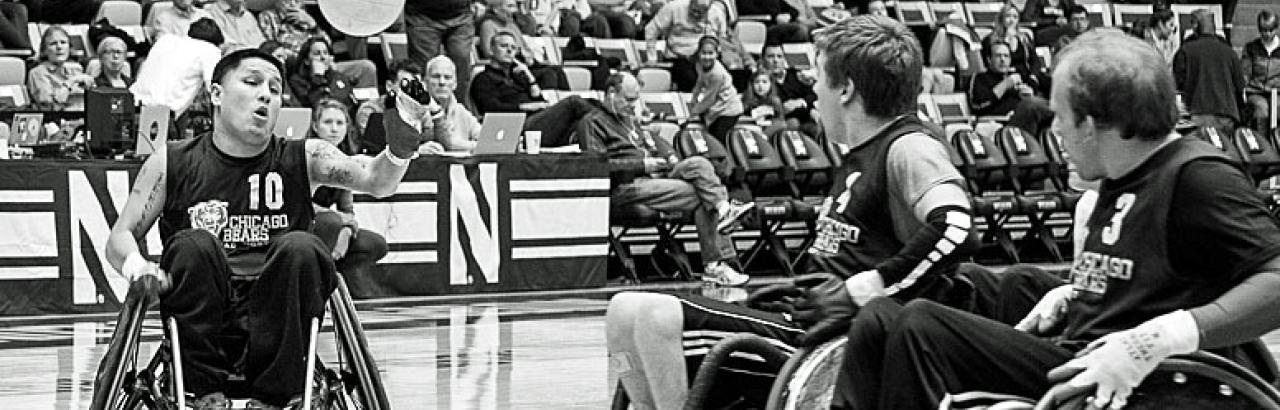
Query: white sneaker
[
  {"x": 727, "y": 218},
  {"x": 721, "y": 273}
]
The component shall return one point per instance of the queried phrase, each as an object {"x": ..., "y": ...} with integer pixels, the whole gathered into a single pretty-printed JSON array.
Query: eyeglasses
[
  {"x": 113, "y": 53},
  {"x": 506, "y": 46}
]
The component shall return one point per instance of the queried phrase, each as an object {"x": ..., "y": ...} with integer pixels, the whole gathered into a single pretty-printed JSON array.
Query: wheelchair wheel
[
  {"x": 119, "y": 383},
  {"x": 808, "y": 379},
  {"x": 358, "y": 375}
]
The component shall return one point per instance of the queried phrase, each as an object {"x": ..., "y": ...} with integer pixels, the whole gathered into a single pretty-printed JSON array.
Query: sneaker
[
  {"x": 729, "y": 216},
  {"x": 721, "y": 273},
  {"x": 211, "y": 401}
]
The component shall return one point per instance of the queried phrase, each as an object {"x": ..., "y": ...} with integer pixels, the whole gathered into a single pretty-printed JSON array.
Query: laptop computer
[
  {"x": 26, "y": 129},
  {"x": 153, "y": 129},
  {"x": 500, "y": 133},
  {"x": 292, "y": 123}
]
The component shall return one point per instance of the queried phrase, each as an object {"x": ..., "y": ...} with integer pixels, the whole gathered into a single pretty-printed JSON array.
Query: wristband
[
  {"x": 134, "y": 266},
  {"x": 397, "y": 161},
  {"x": 865, "y": 286}
]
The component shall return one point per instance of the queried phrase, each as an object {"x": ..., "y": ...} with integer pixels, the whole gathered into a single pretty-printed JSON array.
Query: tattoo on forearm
[
  {"x": 339, "y": 175},
  {"x": 149, "y": 205}
]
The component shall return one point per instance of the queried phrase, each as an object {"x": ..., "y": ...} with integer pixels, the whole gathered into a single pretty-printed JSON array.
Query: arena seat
[
  {"x": 120, "y": 12},
  {"x": 948, "y": 11},
  {"x": 987, "y": 174},
  {"x": 579, "y": 78},
  {"x": 13, "y": 71},
  {"x": 394, "y": 46},
  {"x": 1262, "y": 158},
  {"x": 1099, "y": 14},
  {"x": 545, "y": 48},
  {"x": 1126, "y": 15},
  {"x": 812, "y": 173},
  {"x": 1225, "y": 143},
  {"x": 983, "y": 14},
  {"x": 622, "y": 49},
  {"x": 752, "y": 36},
  {"x": 654, "y": 80},
  {"x": 800, "y": 55},
  {"x": 665, "y": 106},
  {"x": 769, "y": 182},
  {"x": 914, "y": 13},
  {"x": 1030, "y": 167}
]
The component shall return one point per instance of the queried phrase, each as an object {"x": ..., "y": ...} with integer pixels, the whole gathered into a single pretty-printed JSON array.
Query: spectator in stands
[
  {"x": 682, "y": 23},
  {"x": 285, "y": 54},
  {"x": 1162, "y": 33},
  {"x": 714, "y": 98},
  {"x": 1001, "y": 91},
  {"x": 1209, "y": 76},
  {"x": 459, "y": 130},
  {"x": 239, "y": 28},
  {"x": 111, "y": 54},
  {"x": 1049, "y": 18},
  {"x": 179, "y": 67},
  {"x": 13, "y": 26},
  {"x": 57, "y": 82},
  {"x": 501, "y": 19},
  {"x": 353, "y": 248},
  {"x": 1262, "y": 69},
  {"x": 287, "y": 22},
  {"x": 1021, "y": 47},
  {"x": 173, "y": 20},
  {"x": 795, "y": 89},
  {"x": 560, "y": 18},
  {"x": 647, "y": 174},
  {"x": 315, "y": 77},
  {"x": 877, "y": 8},
  {"x": 507, "y": 85},
  {"x": 735, "y": 58},
  {"x": 400, "y": 70},
  {"x": 611, "y": 19},
  {"x": 762, "y": 104},
  {"x": 1078, "y": 23},
  {"x": 437, "y": 27}
]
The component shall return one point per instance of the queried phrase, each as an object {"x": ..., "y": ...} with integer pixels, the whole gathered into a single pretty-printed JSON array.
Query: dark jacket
[
  {"x": 500, "y": 90},
  {"x": 1261, "y": 69},
  {"x": 603, "y": 132},
  {"x": 438, "y": 9},
  {"x": 982, "y": 95},
  {"x": 1042, "y": 14},
  {"x": 1209, "y": 76},
  {"x": 309, "y": 89}
]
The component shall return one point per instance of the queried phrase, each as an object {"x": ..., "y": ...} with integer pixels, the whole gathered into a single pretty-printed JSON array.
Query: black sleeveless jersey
[
  {"x": 244, "y": 202},
  {"x": 856, "y": 232},
  {"x": 1124, "y": 276}
]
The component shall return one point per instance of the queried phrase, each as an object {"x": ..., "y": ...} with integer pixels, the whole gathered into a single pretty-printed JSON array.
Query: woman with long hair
[
  {"x": 761, "y": 103},
  {"x": 314, "y": 78},
  {"x": 57, "y": 82},
  {"x": 1021, "y": 47},
  {"x": 714, "y": 97},
  {"x": 335, "y": 224}
]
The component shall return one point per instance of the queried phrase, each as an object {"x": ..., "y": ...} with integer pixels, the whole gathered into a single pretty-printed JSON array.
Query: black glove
[
  {"x": 825, "y": 310},
  {"x": 402, "y": 139},
  {"x": 780, "y": 298}
]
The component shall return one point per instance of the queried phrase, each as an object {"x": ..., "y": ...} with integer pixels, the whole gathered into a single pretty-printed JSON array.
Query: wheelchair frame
[{"x": 120, "y": 384}]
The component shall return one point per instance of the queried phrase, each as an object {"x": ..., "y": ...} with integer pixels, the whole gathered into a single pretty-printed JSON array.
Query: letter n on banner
[{"x": 475, "y": 231}]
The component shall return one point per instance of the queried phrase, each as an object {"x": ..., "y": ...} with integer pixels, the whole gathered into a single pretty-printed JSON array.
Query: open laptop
[
  {"x": 292, "y": 123},
  {"x": 500, "y": 133},
  {"x": 153, "y": 129}
]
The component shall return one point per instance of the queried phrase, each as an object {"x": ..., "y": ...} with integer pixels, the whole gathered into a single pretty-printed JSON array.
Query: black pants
[
  {"x": 254, "y": 326},
  {"x": 609, "y": 24},
  {"x": 684, "y": 74},
  {"x": 721, "y": 126},
  {"x": 559, "y": 121},
  {"x": 788, "y": 33},
  {"x": 910, "y": 356},
  {"x": 1008, "y": 296},
  {"x": 364, "y": 249}
]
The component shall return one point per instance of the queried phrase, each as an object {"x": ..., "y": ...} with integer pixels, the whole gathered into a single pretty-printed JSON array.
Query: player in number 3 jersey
[
  {"x": 241, "y": 274},
  {"x": 1180, "y": 255}
]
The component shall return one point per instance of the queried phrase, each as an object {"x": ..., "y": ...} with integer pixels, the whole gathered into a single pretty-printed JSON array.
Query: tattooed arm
[
  {"x": 144, "y": 205},
  {"x": 377, "y": 176}
]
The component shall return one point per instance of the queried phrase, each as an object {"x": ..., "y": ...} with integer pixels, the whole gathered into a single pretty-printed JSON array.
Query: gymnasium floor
[{"x": 523, "y": 351}]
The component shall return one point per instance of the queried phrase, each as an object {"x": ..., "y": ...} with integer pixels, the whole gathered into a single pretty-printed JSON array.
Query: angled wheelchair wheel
[
  {"x": 120, "y": 383},
  {"x": 742, "y": 344},
  {"x": 808, "y": 379},
  {"x": 357, "y": 372}
]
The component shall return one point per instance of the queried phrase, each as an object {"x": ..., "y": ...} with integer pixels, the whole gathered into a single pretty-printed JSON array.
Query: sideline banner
[{"x": 456, "y": 225}]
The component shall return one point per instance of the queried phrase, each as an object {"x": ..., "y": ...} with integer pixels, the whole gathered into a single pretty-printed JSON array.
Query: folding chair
[
  {"x": 752, "y": 36},
  {"x": 667, "y": 224},
  {"x": 1030, "y": 167},
  {"x": 987, "y": 177},
  {"x": 1260, "y": 154},
  {"x": 1225, "y": 143},
  {"x": 812, "y": 172},
  {"x": 768, "y": 180},
  {"x": 121, "y": 12}
]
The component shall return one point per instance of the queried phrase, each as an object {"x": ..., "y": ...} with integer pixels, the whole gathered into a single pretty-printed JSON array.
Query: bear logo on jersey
[{"x": 210, "y": 216}]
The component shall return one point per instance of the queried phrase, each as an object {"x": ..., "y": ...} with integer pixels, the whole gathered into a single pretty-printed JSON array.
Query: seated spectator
[
  {"x": 287, "y": 22},
  {"x": 282, "y": 52},
  {"x": 13, "y": 26},
  {"x": 501, "y": 19},
  {"x": 735, "y": 58},
  {"x": 113, "y": 71},
  {"x": 1262, "y": 69},
  {"x": 1162, "y": 33},
  {"x": 353, "y": 248},
  {"x": 507, "y": 85},
  {"x": 877, "y": 8},
  {"x": 238, "y": 26},
  {"x": 560, "y": 18},
  {"x": 401, "y": 70},
  {"x": 1077, "y": 24},
  {"x": 179, "y": 67},
  {"x": 761, "y": 103},
  {"x": 57, "y": 83},
  {"x": 314, "y": 77},
  {"x": 173, "y": 20},
  {"x": 1208, "y": 74},
  {"x": 459, "y": 130},
  {"x": 1002, "y": 91},
  {"x": 1021, "y": 48},
  {"x": 714, "y": 98},
  {"x": 795, "y": 89},
  {"x": 648, "y": 174},
  {"x": 611, "y": 19},
  {"x": 682, "y": 23},
  {"x": 794, "y": 24},
  {"x": 1049, "y": 17}
]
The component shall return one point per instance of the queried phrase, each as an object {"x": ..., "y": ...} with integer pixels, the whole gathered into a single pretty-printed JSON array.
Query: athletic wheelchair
[
  {"x": 123, "y": 382},
  {"x": 1200, "y": 380}
]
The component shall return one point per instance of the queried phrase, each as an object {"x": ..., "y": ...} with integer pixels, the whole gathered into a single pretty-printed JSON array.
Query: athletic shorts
[{"x": 743, "y": 379}]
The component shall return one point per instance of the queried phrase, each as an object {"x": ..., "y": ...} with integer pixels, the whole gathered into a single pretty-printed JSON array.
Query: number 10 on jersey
[{"x": 269, "y": 190}]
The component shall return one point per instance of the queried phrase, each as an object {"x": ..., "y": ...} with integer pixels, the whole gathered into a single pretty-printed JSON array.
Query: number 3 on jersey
[
  {"x": 272, "y": 190},
  {"x": 1111, "y": 233}
]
